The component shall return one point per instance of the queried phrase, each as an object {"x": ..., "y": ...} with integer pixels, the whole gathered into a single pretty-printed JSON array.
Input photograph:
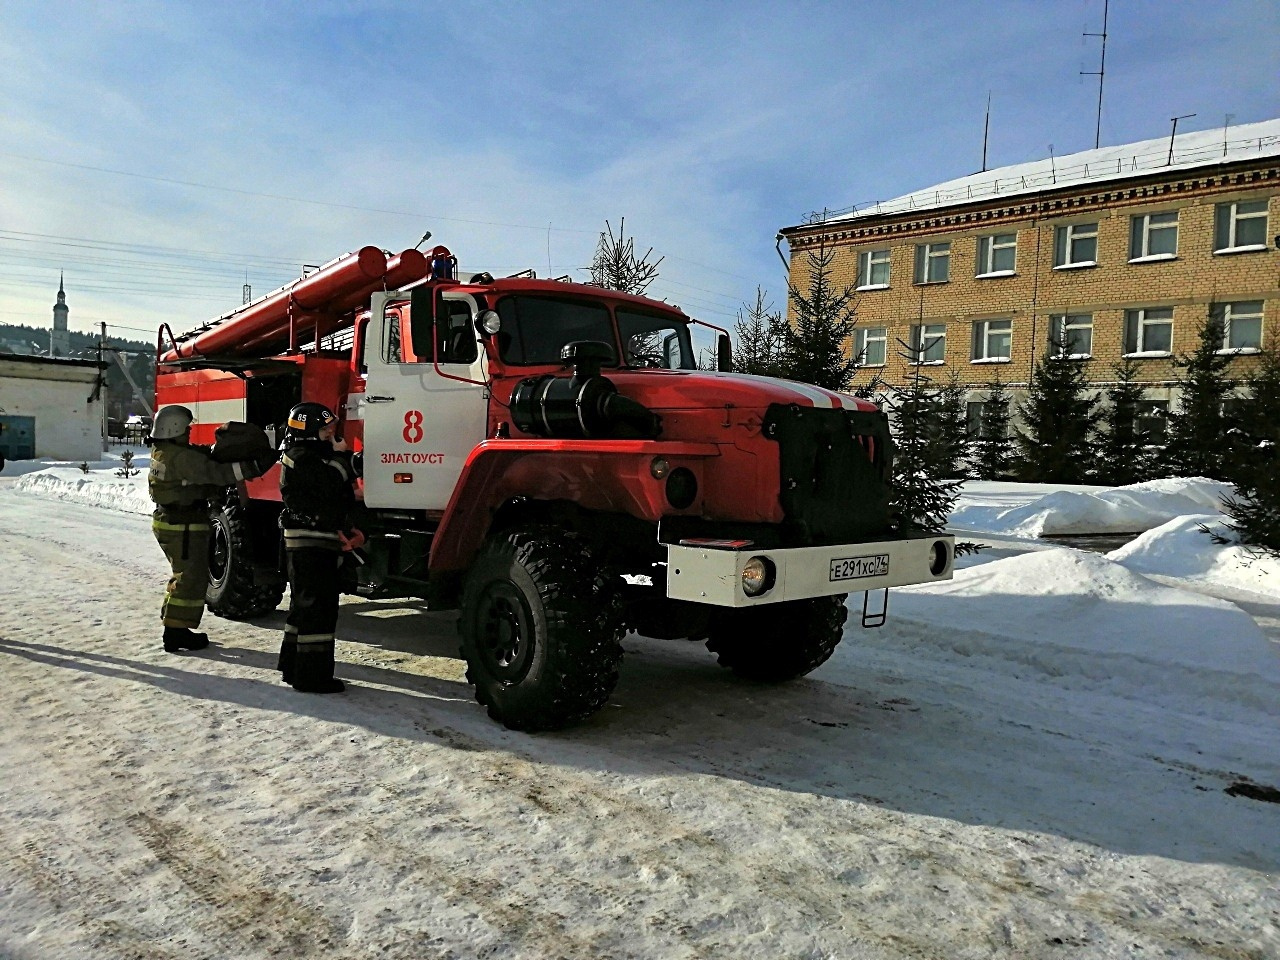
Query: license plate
[{"x": 855, "y": 568}]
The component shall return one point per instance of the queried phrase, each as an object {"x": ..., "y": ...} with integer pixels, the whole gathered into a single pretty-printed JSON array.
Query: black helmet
[{"x": 306, "y": 420}]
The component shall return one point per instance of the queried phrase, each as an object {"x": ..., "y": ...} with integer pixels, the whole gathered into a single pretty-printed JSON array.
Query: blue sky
[{"x": 160, "y": 152}]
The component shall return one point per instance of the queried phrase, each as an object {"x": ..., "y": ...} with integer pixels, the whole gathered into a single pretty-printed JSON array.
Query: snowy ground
[{"x": 1030, "y": 761}]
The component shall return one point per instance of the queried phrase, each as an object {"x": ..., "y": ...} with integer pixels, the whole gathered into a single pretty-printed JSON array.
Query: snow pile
[
  {"x": 99, "y": 487},
  {"x": 1081, "y": 614},
  {"x": 1180, "y": 548},
  {"x": 1000, "y": 508}
]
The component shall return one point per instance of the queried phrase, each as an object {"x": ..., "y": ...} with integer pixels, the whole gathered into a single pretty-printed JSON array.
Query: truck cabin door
[{"x": 425, "y": 403}]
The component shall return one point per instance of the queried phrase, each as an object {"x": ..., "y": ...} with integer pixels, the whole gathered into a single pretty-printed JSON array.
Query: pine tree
[
  {"x": 813, "y": 343},
  {"x": 949, "y": 436},
  {"x": 923, "y": 495},
  {"x": 991, "y": 453},
  {"x": 1253, "y": 507},
  {"x": 1060, "y": 417},
  {"x": 615, "y": 265},
  {"x": 758, "y": 332},
  {"x": 1197, "y": 433},
  {"x": 1123, "y": 456}
]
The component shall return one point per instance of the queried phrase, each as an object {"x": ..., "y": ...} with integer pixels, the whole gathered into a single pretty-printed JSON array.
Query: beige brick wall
[{"x": 1196, "y": 278}]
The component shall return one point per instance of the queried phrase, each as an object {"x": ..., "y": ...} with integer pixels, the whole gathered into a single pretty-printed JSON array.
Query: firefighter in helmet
[
  {"x": 317, "y": 485},
  {"x": 182, "y": 480}
]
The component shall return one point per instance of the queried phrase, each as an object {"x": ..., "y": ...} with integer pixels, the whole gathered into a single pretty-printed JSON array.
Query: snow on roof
[{"x": 1195, "y": 149}]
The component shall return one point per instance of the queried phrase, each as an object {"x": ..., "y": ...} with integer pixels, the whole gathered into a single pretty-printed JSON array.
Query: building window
[
  {"x": 1153, "y": 236},
  {"x": 1240, "y": 226},
  {"x": 1071, "y": 335},
  {"x": 977, "y": 420},
  {"x": 873, "y": 269},
  {"x": 933, "y": 262},
  {"x": 1151, "y": 419},
  {"x": 992, "y": 340},
  {"x": 1149, "y": 331},
  {"x": 870, "y": 345},
  {"x": 997, "y": 255},
  {"x": 1076, "y": 245},
  {"x": 1241, "y": 324},
  {"x": 929, "y": 342}
]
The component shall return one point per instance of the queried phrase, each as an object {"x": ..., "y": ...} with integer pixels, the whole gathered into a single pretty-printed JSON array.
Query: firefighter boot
[
  {"x": 183, "y": 638},
  {"x": 286, "y": 664},
  {"x": 313, "y": 669}
]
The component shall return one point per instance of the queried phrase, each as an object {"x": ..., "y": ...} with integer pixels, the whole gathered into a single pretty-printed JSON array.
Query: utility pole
[
  {"x": 1100, "y": 73},
  {"x": 102, "y": 385}
]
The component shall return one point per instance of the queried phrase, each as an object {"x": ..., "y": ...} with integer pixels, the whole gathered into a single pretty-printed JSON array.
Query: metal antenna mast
[
  {"x": 986, "y": 126},
  {"x": 1100, "y": 73}
]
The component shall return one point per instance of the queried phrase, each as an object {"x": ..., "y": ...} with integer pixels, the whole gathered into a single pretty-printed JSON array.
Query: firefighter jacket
[
  {"x": 183, "y": 478},
  {"x": 316, "y": 485}
]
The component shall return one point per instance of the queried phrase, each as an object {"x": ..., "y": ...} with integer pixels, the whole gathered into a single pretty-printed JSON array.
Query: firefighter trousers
[
  {"x": 306, "y": 652},
  {"x": 186, "y": 545}
]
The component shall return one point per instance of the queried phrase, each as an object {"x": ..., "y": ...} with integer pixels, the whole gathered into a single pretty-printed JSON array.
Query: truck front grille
[{"x": 834, "y": 472}]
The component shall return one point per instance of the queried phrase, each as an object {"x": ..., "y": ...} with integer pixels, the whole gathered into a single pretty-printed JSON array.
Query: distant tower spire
[{"x": 60, "y": 340}]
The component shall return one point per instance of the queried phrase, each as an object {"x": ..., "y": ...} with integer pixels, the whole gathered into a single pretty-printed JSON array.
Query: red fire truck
[{"x": 547, "y": 458}]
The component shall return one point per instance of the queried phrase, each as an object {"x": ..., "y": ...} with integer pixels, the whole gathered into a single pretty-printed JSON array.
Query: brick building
[{"x": 1119, "y": 251}]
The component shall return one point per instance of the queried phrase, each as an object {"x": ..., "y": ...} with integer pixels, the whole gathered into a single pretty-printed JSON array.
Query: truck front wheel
[
  {"x": 541, "y": 629},
  {"x": 778, "y": 641},
  {"x": 234, "y": 592}
]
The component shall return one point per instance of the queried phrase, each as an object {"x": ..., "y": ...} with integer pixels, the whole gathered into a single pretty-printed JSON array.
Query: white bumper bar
[{"x": 713, "y": 574}]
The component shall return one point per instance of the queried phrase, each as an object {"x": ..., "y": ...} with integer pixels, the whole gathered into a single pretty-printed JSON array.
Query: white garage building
[{"x": 50, "y": 408}]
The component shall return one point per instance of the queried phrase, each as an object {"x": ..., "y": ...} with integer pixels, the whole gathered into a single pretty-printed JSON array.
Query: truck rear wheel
[
  {"x": 234, "y": 592},
  {"x": 541, "y": 629},
  {"x": 778, "y": 641}
]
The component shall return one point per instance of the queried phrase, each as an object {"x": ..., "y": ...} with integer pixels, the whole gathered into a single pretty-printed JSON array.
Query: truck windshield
[
  {"x": 534, "y": 329},
  {"x": 654, "y": 341}
]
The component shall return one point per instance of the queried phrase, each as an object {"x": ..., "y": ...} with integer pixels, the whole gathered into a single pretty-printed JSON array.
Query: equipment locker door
[{"x": 424, "y": 405}]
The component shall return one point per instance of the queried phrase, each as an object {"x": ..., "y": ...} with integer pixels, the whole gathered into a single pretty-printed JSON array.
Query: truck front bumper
[{"x": 712, "y": 571}]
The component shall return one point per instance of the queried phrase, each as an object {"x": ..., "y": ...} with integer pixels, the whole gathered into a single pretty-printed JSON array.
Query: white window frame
[
  {"x": 1241, "y": 310},
  {"x": 926, "y": 255},
  {"x": 870, "y": 335},
  {"x": 1071, "y": 233},
  {"x": 1142, "y": 318},
  {"x": 987, "y": 247},
  {"x": 1145, "y": 226},
  {"x": 932, "y": 342},
  {"x": 868, "y": 260},
  {"x": 1061, "y": 323},
  {"x": 984, "y": 331},
  {"x": 1234, "y": 216}
]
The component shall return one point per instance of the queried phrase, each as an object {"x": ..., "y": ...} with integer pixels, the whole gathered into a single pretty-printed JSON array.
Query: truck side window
[
  {"x": 457, "y": 341},
  {"x": 391, "y": 338}
]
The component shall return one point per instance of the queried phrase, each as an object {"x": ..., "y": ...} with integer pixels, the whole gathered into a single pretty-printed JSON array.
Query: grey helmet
[{"x": 172, "y": 423}]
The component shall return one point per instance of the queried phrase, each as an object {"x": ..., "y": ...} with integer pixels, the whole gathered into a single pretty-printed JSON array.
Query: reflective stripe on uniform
[
  {"x": 235, "y": 468},
  {"x": 315, "y": 642},
  {"x": 179, "y": 527},
  {"x": 173, "y": 601}
]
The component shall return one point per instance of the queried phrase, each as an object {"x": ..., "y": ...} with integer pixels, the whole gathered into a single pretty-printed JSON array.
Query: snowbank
[
  {"x": 1180, "y": 548},
  {"x": 99, "y": 487},
  {"x": 1035, "y": 510},
  {"x": 1083, "y": 614}
]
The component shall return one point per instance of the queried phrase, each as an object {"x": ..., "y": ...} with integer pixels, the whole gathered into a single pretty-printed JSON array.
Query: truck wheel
[
  {"x": 233, "y": 592},
  {"x": 541, "y": 629},
  {"x": 779, "y": 641}
]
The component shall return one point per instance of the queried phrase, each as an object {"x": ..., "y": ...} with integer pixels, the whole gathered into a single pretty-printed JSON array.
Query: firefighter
[
  {"x": 182, "y": 479},
  {"x": 317, "y": 486}
]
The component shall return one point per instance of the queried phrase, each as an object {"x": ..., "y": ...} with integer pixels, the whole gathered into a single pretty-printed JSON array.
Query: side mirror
[{"x": 724, "y": 354}]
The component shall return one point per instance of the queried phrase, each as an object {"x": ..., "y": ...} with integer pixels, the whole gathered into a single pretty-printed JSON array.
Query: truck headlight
[{"x": 757, "y": 576}]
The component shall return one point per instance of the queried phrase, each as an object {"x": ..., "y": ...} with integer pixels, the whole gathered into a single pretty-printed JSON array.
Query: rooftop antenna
[
  {"x": 986, "y": 126},
  {"x": 1226, "y": 122},
  {"x": 1173, "y": 133},
  {"x": 425, "y": 237},
  {"x": 1053, "y": 166},
  {"x": 247, "y": 291},
  {"x": 1099, "y": 73}
]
